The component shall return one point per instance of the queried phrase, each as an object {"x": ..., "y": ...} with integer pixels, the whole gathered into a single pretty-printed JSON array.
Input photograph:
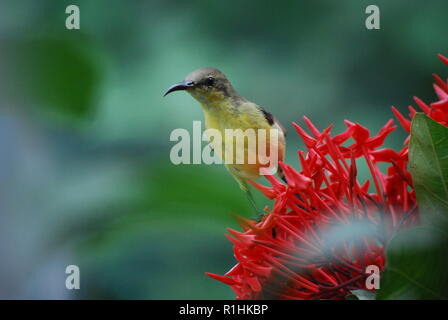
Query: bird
[{"x": 224, "y": 108}]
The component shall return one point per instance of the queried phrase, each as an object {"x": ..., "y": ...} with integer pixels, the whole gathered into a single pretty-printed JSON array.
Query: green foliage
[
  {"x": 61, "y": 74},
  {"x": 428, "y": 162},
  {"x": 417, "y": 264},
  {"x": 156, "y": 234}
]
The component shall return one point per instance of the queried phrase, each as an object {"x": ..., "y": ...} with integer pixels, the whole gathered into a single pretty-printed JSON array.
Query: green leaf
[
  {"x": 417, "y": 266},
  {"x": 428, "y": 164}
]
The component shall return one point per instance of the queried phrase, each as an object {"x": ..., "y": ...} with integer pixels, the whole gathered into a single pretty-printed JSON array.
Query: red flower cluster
[
  {"x": 326, "y": 226},
  {"x": 437, "y": 111}
]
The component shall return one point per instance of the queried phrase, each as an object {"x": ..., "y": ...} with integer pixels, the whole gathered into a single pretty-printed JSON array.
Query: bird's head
[{"x": 206, "y": 85}]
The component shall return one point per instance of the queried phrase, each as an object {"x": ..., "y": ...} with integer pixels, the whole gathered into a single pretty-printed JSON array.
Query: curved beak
[{"x": 184, "y": 85}]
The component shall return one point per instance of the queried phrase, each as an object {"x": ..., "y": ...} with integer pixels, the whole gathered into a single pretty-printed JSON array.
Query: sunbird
[{"x": 224, "y": 108}]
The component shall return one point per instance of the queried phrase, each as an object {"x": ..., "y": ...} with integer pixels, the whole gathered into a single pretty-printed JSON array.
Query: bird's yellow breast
[{"x": 224, "y": 115}]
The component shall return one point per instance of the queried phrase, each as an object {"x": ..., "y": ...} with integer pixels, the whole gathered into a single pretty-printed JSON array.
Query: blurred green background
[{"x": 85, "y": 175}]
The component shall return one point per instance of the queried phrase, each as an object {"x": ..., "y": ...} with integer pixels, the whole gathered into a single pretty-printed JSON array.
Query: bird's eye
[{"x": 209, "y": 81}]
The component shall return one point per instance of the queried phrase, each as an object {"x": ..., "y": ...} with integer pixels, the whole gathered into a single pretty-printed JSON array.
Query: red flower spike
[
  {"x": 444, "y": 59},
  {"x": 440, "y": 82},
  {"x": 442, "y": 106},
  {"x": 405, "y": 123},
  {"x": 425, "y": 108},
  {"x": 378, "y": 140},
  {"x": 440, "y": 93},
  {"x": 360, "y": 133},
  {"x": 344, "y": 136},
  {"x": 365, "y": 186},
  {"x": 225, "y": 280},
  {"x": 385, "y": 155},
  {"x": 296, "y": 181},
  {"x": 439, "y": 116},
  {"x": 311, "y": 126},
  {"x": 412, "y": 111},
  {"x": 309, "y": 141},
  {"x": 267, "y": 191},
  {"x": 289, "y": 255},
  {"x": 278, "y": 186}
]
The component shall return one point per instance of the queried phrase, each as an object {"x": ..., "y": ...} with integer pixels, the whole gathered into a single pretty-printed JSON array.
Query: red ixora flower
[
  {"x": 326, "y": 227},
  {"x": 437, "y": 111}
]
